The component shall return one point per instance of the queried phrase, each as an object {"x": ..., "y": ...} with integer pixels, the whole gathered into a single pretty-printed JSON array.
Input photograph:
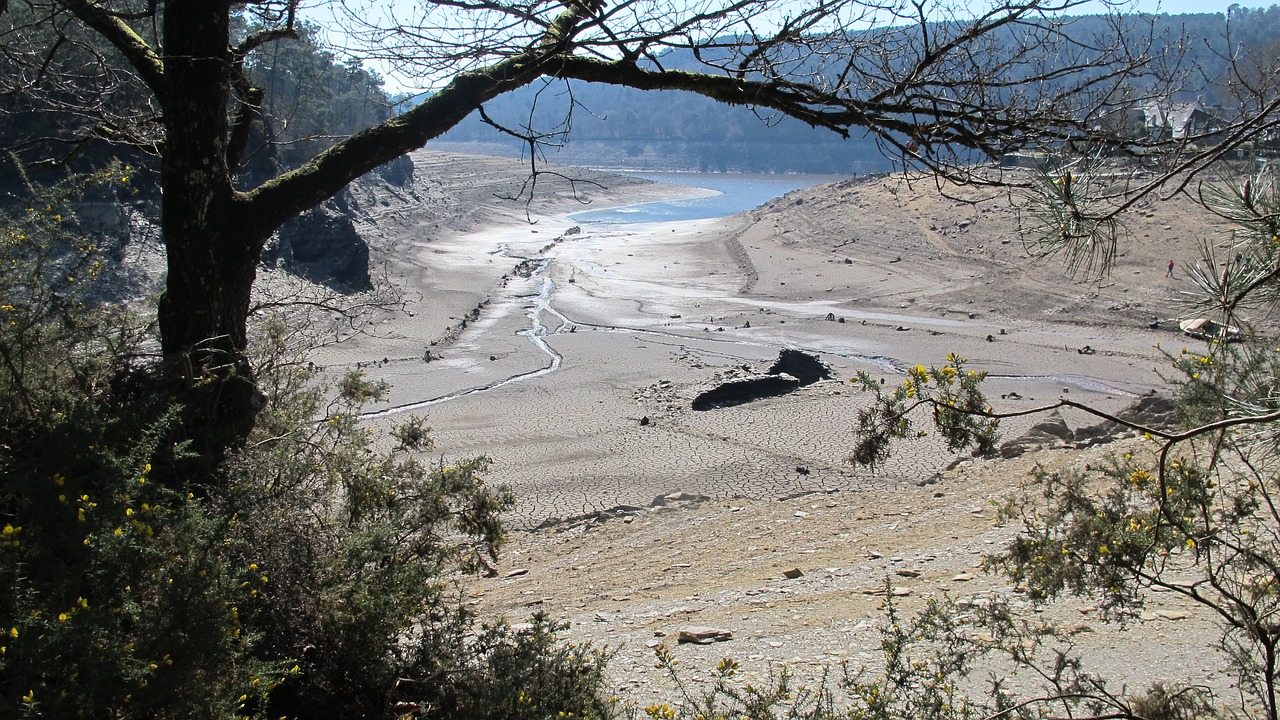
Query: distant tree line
[{"x": 615, "y": 126}]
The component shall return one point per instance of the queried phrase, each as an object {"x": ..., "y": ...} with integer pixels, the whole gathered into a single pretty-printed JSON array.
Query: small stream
[
  {"x": 735, "y": 194},
  {"x": 537, "y": 332}
]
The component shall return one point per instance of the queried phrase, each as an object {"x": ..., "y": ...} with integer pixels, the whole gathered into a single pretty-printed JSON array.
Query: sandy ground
[
  {"x": 550, "y": 372},
  {"x": 576, "y": 380}
]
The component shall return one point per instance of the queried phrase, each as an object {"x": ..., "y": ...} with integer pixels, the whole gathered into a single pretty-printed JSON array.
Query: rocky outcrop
[
  {"x": 398, "y": 172},
  {"x": 1049, "y": 432},
  {"x": 806, "y": 368},
  {"x": 792, "y": 370},
  {"x": 1153, "y": 411},
  {"x": 740, "y": 391},
  {"x": 322, "y": 245}
]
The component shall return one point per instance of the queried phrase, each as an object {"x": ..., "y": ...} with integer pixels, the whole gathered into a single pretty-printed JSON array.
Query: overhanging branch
[{"x": 144, "y": 59}]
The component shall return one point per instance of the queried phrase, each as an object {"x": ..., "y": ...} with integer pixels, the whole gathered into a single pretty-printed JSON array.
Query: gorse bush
[
  {"x": 117, "y": 594},
  {"x": 351, "y": 547},
  {"x": 317, "y": 578}
]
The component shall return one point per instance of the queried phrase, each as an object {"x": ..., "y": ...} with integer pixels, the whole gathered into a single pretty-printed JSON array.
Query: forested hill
[
  {"x": 617, "y": 127},
  {"x": 314, "y": 98}
]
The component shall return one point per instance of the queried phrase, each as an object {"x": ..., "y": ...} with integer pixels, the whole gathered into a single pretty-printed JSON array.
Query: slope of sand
[{"x": 577, "y": 380}]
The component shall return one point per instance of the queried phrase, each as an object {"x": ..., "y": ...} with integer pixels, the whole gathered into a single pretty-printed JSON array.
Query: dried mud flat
[
  {"x": 799, "y": 583},
  {"x": 638, "y": 517}
]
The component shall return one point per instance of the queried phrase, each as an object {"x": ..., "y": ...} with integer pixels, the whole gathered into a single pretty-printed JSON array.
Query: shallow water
[{"x": 735, "y": 193}]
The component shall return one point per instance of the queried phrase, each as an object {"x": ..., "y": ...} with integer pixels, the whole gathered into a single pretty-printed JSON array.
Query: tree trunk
[{"x": 211, "y": 244}]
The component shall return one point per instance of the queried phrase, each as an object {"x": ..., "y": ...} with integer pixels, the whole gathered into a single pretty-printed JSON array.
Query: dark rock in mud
[
  {"x": 740, "y": 391},
  {"x": 806, "y": 368},
  {"x": 793, "y": 369}
]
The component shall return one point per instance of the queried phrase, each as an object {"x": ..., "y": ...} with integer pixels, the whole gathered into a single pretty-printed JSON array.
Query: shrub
[
  {"x": 117, "y": 599},
  {"x": 317, "y": 578}
]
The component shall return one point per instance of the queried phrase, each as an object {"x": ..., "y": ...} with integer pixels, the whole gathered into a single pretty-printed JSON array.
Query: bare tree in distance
[{"x": 940, "y": 85}]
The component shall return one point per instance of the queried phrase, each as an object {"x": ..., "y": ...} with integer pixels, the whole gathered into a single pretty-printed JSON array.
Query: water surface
[{"x": 735, "y": 192}]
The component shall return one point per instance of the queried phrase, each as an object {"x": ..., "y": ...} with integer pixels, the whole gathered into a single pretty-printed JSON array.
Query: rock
[
  {"x": 678, "y": 497},
  {"x": 792, "y": 574},
  {"x": 803, "y": 366},
  {"x": 908, "y": 573},
  {"x": 704, "y": 635},
  {"x": 740, "y": 391},
  {"x": 1173, "y": 614},
  {"x": 322, "y": 245},
  {"x": 398, "y": 172},
  {"x": 517, "y": 572},
  {"x": 962, "y": 577},
  {"x": 895, "y": 592},
  {"x": 1047, "y": 432}
]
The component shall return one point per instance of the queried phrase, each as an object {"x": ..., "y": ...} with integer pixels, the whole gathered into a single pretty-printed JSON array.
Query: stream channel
[
  {"x": 638, "y": 303},
  {"x": 728, "y": 194}
]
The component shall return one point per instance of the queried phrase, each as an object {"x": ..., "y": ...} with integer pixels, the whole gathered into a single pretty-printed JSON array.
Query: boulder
[
  {"x": 1051, "y": 428},
  {"x": 398, "y": 172},
  {"x": 704, "y": 635}
]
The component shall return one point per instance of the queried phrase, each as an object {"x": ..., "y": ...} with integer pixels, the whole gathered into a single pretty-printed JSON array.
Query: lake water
[{"x": 735, "y": 193}]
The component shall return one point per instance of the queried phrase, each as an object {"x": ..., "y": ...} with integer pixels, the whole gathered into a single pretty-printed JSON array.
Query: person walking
[{"x": 1169, "y": 272}]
